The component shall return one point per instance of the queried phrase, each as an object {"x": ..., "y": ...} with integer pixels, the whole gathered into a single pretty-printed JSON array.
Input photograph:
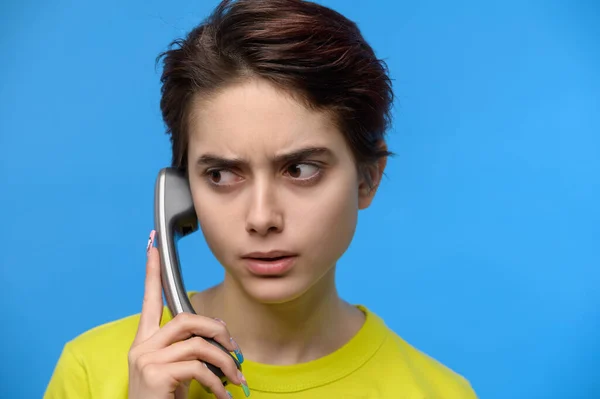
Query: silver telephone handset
[{"x": 175, "y": 218}]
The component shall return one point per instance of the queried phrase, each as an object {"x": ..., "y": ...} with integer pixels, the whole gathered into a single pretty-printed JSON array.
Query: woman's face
[{"x": 266, "y": 175}]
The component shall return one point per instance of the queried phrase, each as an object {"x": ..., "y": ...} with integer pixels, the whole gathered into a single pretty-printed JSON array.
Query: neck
[{"x": 308, "y": 327}]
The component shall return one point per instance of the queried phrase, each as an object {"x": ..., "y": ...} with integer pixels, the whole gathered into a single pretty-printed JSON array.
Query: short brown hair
[{"x": 306, "y": 49}]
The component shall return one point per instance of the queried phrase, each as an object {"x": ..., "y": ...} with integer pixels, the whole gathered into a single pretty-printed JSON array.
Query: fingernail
[
  {"x": 237, "y": 351},
  {"x": 229, "y": 394},
  {"x": 150, "y": 241},
  {"x": 244, "y": 384}
]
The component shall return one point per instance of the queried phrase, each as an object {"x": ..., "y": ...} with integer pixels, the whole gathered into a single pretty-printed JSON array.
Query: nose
[{"x": 264, "y": 214}]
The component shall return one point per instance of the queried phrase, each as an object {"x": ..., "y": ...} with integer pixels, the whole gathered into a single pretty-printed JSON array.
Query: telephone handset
[{"x": 174, "y": 218}]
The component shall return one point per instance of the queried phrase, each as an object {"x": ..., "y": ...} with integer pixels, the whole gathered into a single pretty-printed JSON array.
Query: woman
[{"x": 277, "y": 112}]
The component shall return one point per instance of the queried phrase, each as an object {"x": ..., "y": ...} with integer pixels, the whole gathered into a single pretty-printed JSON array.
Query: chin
[{"x": 274, "y": 290}]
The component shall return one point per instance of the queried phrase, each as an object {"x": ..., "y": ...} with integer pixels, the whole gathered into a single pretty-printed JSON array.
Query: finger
[
  {"x": 152, "y": 307},
  {"x": 197, "y": 370},
  {"x": 195, "y": 348},
  {"x": 186, "y": 325},
  {"x": 182, "y": 390}
]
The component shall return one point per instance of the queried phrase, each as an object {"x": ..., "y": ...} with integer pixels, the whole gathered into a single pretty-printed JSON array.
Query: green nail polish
[
  {"x": 244, "y": 383},
  {"x": 230, "y": 395},
  {"x": 246, "y": 389}
]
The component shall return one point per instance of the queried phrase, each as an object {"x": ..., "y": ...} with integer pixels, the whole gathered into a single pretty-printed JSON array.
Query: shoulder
[
  {"x": 103, "y": 350},
  {"x": 106, "y": 339},
  {"x": 437, "y": 379},
  {"x": 427, "y": 377},
  {"x": 94, "y": 363}
]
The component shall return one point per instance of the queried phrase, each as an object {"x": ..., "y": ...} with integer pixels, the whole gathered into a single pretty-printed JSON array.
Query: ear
[{"x": 367, "y": 187}]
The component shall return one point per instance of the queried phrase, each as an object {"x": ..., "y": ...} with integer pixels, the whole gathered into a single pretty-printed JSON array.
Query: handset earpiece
[{"x": 174, "y": 218}]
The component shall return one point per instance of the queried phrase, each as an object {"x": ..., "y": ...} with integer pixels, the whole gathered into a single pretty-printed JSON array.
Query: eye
[
  {"x": 222, "y": 177},
  {"x": 302, "y": 171}
]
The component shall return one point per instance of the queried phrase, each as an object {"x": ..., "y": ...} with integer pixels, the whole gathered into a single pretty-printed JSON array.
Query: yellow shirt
[{"x": 376, "y": 363}]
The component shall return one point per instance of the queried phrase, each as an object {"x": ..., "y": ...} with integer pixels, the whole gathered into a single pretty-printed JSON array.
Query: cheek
[
  {"x": 213, "y": 217},
  {"x": 330, "y": 222}
]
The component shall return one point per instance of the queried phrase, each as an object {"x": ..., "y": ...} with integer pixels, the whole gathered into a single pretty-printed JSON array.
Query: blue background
[{"x": 483, "y": 245}]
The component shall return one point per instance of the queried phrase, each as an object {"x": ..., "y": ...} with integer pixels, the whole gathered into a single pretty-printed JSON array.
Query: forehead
[{"x": 254, "y": 117}]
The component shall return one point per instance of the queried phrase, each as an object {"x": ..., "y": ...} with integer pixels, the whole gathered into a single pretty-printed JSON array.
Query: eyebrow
[{"x": 294, "y": 156}]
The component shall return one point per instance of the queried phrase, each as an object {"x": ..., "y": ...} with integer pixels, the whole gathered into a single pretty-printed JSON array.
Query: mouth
[
  {"x": 274, "y": 263},
  {"x": 276, "y": 258},
  {"x": 271, "y": 255}
]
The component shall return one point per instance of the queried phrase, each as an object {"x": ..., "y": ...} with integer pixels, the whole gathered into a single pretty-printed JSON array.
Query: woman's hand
[{"x": 163, "y": 361}]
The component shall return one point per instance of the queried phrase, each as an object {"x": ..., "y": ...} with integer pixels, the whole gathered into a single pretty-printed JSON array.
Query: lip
[
  {"x": 272, "y": 263},
  {"x": 268, "y": 255}
]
